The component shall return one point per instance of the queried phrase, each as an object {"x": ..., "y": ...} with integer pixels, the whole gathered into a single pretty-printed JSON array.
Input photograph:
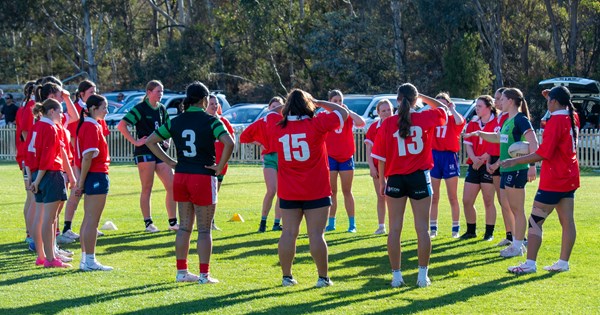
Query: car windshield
[
  {"x": 129, "y": 105},
  {"x": 242, "y": 115},
  {"x": 462, "y": 108},
  {"x": 358, "y": 105}
]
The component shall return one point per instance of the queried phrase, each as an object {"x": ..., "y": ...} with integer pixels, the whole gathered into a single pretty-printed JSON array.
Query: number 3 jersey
[
  {"x": 404, "y": 156},
  {"x": 194, "y": 133},
  {"x": 302, "y": 157}
]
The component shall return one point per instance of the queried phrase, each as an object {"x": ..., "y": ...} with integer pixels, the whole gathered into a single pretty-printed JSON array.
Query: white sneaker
[
  {"x": 288, "y": 282},
  {"x": 324, "y": 283},
  {"x": 396, "y": 283},
  {"x": 186, "y": 277},
  {"x": 556, "y": 267},
  {"x": 205, "y": 278},
  {"x": 522, "y": 269},
  {"x": 455, "y": 234},
  {"x": 62, "y": 239},
  {"x": 512, "y": 251},
  {"x": 63, "y": 252},
  {"x": 62, "y": 258},
  {"x": 95, "y": 266},
  {"x": 99, "y": 233},
  {"x": 173, "y": 227},
  {"x": 70, "y": 234},
  {"x": 433, "y": 233},
  {"x": 422, "y": 283},
  {"x": 504, "y": 242},
  {"x": 381, "y": 230},
  {"x": 152, "y": 229}
]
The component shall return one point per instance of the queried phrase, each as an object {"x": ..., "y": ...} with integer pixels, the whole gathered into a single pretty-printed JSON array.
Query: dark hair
[
  {"x": 194, "y": 93},
  {"x": 488, "y": 100},
  {"x": 333, "y": 93},
  {"x": 28, "y": 90},
  {"x": 150, "y": 86},
  {"x": 94, "y": 101},
  {"x": 500, "y": 90},
  {"x": 83, "y": 86},
  {"x": 517, "y": 96},
  {"x": 299, "y": 103},
  {"x": 51, "y": 79},
  {"x": 407, "y": 96},
  {"x": 9, "y": 96},
  {"x": 563, "y": 96},
  {"x": 46, "y": 106},
  {"x": 46, "y": 90},
  {"x": 276, "y": 99}
]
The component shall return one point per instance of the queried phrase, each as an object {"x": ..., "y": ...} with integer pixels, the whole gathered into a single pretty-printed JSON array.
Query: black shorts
[
  {"x": 480, "y": 176},
  {"x": 493, "y": 160},
  {"x": 416, "y": 185},
  {"x": 514, "y": 179},
  {"x": 52, "y": 187},
  {"x": 305, "y": 204},
  {"x": 96, "y": 184},
  {"x": 552, "y": 197},
  {"x": 146, "y": 158}
]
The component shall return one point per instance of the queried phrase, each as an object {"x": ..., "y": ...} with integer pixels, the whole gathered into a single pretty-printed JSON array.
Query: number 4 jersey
[
  {"x": 302, "y": 157},
  {"x": 404, "y": 156},
  {"x": 194, "y": 133}
]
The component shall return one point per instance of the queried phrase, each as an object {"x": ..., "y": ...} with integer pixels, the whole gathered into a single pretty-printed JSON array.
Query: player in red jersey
[
  {"x": 92, "y": 152},
  {"x": 403, "y": 147},
  {"x": 446, "y": 144},
  {"x": 493, "y": 167},
  {"x": 477, "y": 178},
  {"x": 48, "y": 163},
  {"x": 257, "y": 133},
  {"x": 303, "y": 188},
  {"x": 559, "y": 178},
  {"x": 384, "y": 110},
  {"x": 340, "y": 149},
  {"x": 214, "y": 108}
]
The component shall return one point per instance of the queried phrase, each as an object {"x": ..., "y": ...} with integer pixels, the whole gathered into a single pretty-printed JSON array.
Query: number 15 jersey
[
  {"x": 302, "y": 157},
  {"x": 403, "y": 156}
]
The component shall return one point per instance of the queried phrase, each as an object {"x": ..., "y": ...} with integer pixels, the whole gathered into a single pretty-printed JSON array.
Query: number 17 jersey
[
  {"x": 403, "y": 156},
  {"x": 303, "y": 172}
]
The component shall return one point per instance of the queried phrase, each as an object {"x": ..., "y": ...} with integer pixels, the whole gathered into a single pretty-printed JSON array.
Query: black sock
[
  {"x": 489, "y": 229},
  {"x": 67, "y": 226},
  {"x": 471, "y": 228},
  {"x": 148, "y": 221},
  {"x": 324, "y": 278},
  {"x": 288, "y": 277},
  {"x": 173, "y": 221},
  {"x": 509, "y": 236}
]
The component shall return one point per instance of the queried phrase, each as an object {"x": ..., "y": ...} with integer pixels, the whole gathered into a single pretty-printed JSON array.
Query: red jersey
[
  {"x": 72, "y": 124},
  {"x": 560, "y": 168},
  {"x": 24, "y": 121},
  {"x": 47, "y": 145},
  {"x": 302, "y": 156},
  {"x": 477, "y": 143},
  {"x": 372, "y": 135},
  {"x": 447, "y": 137},
  {"x": 257, "y": 132},
  {"x": 407, "y": 155},
  {"x": 494, "y": 125},
  {"x": 219, "y": 146},
  {"x": 65, "y": 139},
  {"x": 340, "y": 142},
  {"x": 91, "y": 139}
]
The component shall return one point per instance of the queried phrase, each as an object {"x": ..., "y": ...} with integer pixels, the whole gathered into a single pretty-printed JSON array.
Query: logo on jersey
[{"x": 503, "y": 138}]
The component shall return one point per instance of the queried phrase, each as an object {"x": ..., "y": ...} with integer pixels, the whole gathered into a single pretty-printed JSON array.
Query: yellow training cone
[{"x": 236, "y": 218}]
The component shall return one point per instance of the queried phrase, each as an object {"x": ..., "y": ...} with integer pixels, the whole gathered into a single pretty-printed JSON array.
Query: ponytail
[
  {"x": 28, "y": 90},
  {"x": 573, "y": 125},
  {"x": 93, "y": 102},
  {"x": 407, "y": 97}
]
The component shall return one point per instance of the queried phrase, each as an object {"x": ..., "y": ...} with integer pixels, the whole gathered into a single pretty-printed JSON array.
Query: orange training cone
[{"x": 236, "y": 218}]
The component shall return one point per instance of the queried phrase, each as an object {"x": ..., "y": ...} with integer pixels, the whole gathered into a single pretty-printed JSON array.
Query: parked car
[
  {"x": 242, "y": 115},
  {"x": 464, "y": 107},
  {"x": 366, "y": 105},
  {"x": 585, "y": 97}
]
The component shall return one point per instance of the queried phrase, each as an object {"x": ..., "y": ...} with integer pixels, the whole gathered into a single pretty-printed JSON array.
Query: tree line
[{"x": 253, "y": 49}]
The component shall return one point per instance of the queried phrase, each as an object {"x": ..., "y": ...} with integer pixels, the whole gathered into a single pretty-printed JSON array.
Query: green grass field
[{"x": 467, "y": 276}]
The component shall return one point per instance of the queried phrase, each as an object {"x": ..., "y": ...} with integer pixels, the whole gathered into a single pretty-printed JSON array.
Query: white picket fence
[{"x": 122, "y": 151}]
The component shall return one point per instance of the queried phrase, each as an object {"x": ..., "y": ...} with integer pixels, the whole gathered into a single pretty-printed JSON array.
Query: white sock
[
  {"x": 397, "y": 275},
  {"x": 83, "y": 257},
  {"x": 517, "y": 243},
  {"x": 433, "y": 223},
  {"x": 563, "y": 263},
  {"x": 90, "y": 259},
  {"x": 382, "y": 226},
  {"x": 530, "y": 262},
  {"x": 423, "y": 272}
]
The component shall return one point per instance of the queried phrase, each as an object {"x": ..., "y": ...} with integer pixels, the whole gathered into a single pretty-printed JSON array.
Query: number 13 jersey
[
  {"x": 404, "y": 156},
  {"x": 302, "y": 157}
]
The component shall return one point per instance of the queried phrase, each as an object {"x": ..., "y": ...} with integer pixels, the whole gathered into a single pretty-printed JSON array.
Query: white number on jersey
[
  {"x": 30, "y": 147},
  {"x": 190, "y": 138},
  {"x": 415, "y": 146},
  {"x": 440, "y": 131},
  {"x": 299, "y": 146}
]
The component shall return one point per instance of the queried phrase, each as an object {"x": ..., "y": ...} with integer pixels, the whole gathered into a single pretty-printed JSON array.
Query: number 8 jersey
[
  {"x": 302, "y": 157},
  {"x": 194, "y": 133},
  {"x": 404, "y": 156}
]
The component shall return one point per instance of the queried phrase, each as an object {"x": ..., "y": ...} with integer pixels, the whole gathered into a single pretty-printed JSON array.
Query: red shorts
[{"x": 198, "y": 189}]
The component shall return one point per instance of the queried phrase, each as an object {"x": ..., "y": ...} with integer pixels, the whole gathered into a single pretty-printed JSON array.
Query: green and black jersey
[
  {"x": 513, "y": 130},
  {"x": 194, "y": 133},
  {"x": 146, "y": 119}
]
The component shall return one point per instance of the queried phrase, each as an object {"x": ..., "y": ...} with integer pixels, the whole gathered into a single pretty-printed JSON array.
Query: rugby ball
[{"x": 518, "y": 148}]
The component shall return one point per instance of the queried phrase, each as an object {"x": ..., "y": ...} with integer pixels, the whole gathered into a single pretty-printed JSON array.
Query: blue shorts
[
  {"x": 146, "y": 158},
  {"x": 552, "y": 197},
  {"x": 480, "y": 176},
  {"x": 52, "y": 187},
  {"x": 445, "y": 164},
  {"x": 335, "y": 166},
  {"x": 96, "y": 184},
  {"x": 416, "y": 185},
  {"x": 514, "y": 179},
  {"x": 305, "y": 204}
]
